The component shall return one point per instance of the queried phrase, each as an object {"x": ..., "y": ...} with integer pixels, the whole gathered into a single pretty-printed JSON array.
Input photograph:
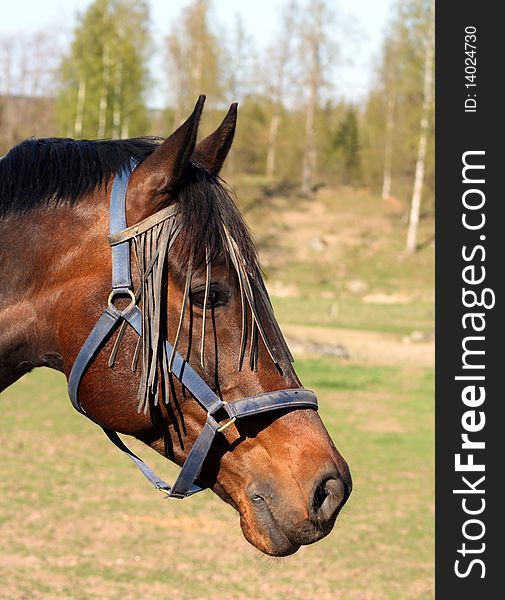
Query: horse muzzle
[{"x": 279, "y": 521}]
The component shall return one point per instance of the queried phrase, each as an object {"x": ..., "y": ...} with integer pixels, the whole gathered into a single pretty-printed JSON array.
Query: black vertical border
[{"x": 457, "y": 132}]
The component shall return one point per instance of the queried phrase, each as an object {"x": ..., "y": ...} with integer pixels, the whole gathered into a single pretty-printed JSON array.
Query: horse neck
[{"x": 43, "y": 253}]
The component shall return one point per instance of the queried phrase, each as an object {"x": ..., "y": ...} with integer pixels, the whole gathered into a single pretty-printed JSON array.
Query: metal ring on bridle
[{"x": 121, "y": 292}]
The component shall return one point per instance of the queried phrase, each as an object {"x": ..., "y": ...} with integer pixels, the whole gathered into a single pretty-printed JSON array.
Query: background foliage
[
  {"x": 294, "y": 125},
  {"x": 327, "y": 187}
]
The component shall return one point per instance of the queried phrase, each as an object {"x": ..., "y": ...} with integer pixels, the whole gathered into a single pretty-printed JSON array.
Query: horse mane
[
  {"x": 51, "y": 171},
  {"x": 48, "y": 172}
]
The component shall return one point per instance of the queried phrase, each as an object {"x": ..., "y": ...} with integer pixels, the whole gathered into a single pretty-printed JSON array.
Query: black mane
[
  {"x": 52, "y": 171},
  {"x": 45, "y": 173}
]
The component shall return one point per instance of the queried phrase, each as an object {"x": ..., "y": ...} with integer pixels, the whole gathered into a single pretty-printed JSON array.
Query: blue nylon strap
[
  {"x": 105, "y": 325},
  {"x": 148, "y": 473},
  {"x": 194, "y": 461},
  {"x": 133, "y": 316},
  {"x": 184, "y": 372},
  {"x": 109, "y": 320},
  {"x": 268, "y": 401},
  {"x": 240, "y": 408},
  {"x": 100, "y": 332},
  {"x": 203, "y": 394},
  {"x": 194, "y": 383},
  {"x": 121, "y": 269},
  {"x": 184, "y": 486}
]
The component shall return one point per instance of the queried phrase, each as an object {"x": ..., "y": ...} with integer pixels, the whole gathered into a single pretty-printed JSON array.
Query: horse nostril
[
  {"x": 329, "y": 497},
  {"x": 320, "y": 496},
  {"x": 257, "y": 499}
]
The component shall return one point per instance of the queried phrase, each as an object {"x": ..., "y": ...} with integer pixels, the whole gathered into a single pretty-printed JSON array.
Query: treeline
[{"x": 294, "y": 123}]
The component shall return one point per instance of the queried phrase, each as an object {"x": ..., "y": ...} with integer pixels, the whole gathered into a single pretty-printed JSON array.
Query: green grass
[
  {"x": 352, "y": 313},
  {"x": 365, "y": 242},
  {"x": 78, "y": 521}
]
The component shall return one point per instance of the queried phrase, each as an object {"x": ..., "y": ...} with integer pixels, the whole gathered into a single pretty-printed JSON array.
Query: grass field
[
  {"x": 315, "y": 251},
  {"x": 77, "y": 521}
]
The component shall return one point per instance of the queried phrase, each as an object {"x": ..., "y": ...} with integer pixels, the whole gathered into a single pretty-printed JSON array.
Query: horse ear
[
  {"x": 211, "y": 152},
  {"x": 160, "y": 172}
]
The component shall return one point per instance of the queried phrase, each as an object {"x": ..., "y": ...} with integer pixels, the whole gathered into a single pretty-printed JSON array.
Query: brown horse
[{"x": 279, "y": 469}]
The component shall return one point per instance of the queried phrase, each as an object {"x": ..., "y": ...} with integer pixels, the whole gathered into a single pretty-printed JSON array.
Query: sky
[{"x": 260, "y": 18}]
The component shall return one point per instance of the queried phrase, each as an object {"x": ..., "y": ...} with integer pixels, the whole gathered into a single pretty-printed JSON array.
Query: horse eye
[{"x": 215, "y": 297}]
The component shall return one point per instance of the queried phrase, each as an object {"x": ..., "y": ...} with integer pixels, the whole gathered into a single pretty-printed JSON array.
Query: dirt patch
[
  {"x": 381, "y": 298},
  {"x": 365, "y": 347}
]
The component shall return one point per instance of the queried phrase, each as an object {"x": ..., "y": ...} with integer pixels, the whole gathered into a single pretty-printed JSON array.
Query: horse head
[{"x": 197, "y": 289}]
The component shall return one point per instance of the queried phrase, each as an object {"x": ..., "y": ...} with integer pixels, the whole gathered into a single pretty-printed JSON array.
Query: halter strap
[
  {"x": 121, "y": 268},
  {"x": 110, "y": 320}
]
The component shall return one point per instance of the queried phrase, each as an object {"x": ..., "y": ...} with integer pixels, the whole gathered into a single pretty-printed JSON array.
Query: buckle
[
  {"x": 227, "y": 424},
  {"x": 230, "y": 421}
]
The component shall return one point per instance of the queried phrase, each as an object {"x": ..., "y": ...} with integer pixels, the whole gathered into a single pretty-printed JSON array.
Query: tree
[
  {"x": 96, "y": 98},
  {"x": 423, "y": 133},
  {"x": 237, "y": 67},
  {"x": 391, "y": 84},
  {"x": 195, "y": 55},
  {"x": 278, "y": 62},
  {"x": 28, "y": 80},
  {"x": 237, "y": 62},
  {"x": 317, "y": 51},
  {"x": 347, "y": 141},
  {"x": 395, "y": 105}
]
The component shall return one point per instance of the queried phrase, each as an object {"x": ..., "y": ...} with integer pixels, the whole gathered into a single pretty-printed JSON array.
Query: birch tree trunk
[
  {"x": 79, "y": 111},
  {"x": 309, "y": 156},
  {"x": 125, "y": 128},
  {"x": 116, "y": 110},
  {"x": 388, "y": 150},
  {"x": 272, "y": 142},
  {"x": 280, "y": 57},
  {"x": 102, "y": 107},
  {"x": 423, "y": 138},
  {"x": 318, "y": 53}
]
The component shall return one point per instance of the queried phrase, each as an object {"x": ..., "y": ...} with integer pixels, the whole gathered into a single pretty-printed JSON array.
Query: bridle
[{"x": 112, "y": 318}]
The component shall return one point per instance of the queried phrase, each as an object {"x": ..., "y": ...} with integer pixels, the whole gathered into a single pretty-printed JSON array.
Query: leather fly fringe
[
  {"x": 151, "y": 251},
  {"x": 151, "y": 248}
]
